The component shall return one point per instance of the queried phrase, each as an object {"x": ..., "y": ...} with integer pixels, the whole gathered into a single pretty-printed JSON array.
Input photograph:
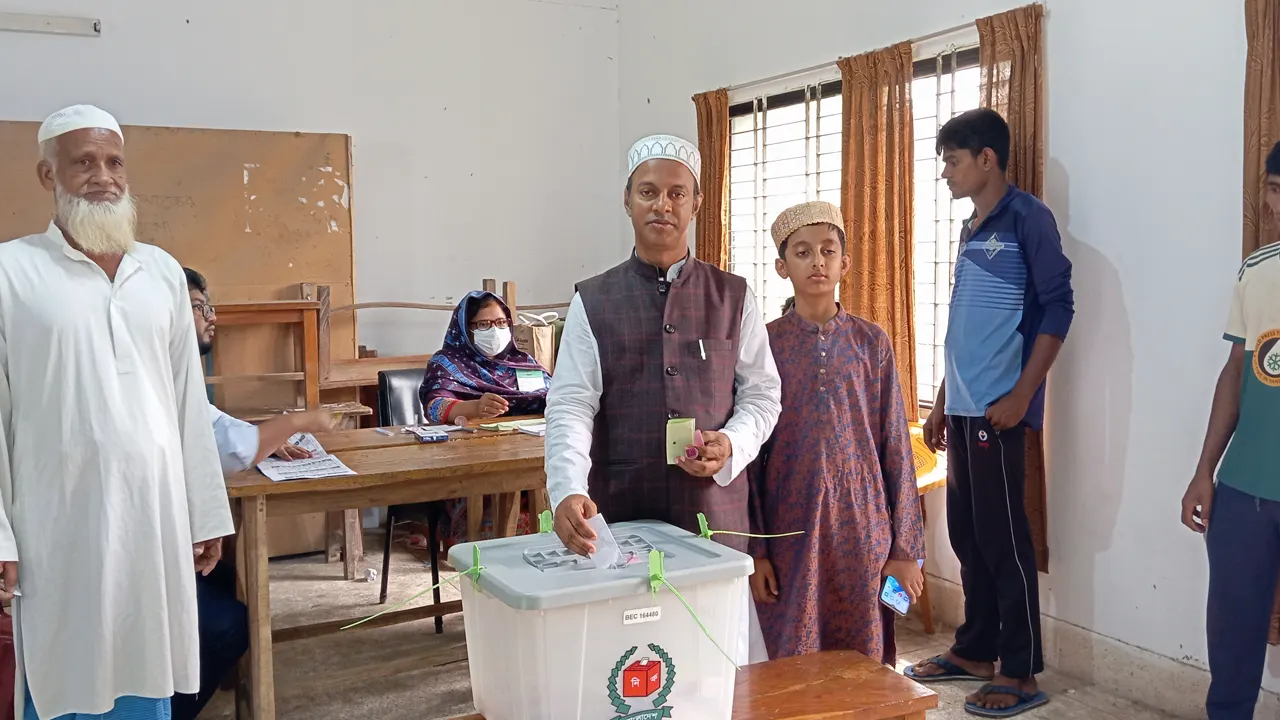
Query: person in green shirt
[{"x": 1240, "y": 515}]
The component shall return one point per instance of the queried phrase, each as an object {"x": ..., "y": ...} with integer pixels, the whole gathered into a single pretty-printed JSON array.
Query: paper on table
[
  {"x": 280, "y": 470},
  {"x": 320, "y": 465},
  {"x": 540, "y": 430},
  {"x": 442, "y": 428},
  {"x": 512, "y": 424},
  {"x": 680, "y": 435},
  {"x": 607, "y": 553}
]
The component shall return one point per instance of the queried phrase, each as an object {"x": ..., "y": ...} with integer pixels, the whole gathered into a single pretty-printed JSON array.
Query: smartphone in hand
[{"x": 894, "y": 596}]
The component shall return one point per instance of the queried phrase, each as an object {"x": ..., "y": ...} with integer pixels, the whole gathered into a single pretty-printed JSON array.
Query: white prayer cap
[
  {"x": 665, "y": 147},
  {"x": 78, "y": 117}
]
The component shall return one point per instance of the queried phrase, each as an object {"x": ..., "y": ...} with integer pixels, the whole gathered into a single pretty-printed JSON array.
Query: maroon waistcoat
[{"x": 652, "y": 336}]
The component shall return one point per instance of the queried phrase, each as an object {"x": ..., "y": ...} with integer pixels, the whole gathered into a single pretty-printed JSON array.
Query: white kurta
[{"x": 111, "y": 473}]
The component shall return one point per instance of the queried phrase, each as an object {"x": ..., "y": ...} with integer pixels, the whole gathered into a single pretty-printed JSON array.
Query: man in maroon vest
[{"x": 661, "y": 336}]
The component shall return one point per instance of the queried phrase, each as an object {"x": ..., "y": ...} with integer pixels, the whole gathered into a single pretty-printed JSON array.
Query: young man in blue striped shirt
[
  {"x": 1011, "y": 307},
  {"x": 1244, "y": 539}
]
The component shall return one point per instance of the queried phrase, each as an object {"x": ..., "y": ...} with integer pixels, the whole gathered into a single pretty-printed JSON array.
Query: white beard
[{"x": 99, "y": 228}]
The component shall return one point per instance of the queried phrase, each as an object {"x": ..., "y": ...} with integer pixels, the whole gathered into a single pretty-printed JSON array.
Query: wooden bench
[{"x": 838, "y": 685}]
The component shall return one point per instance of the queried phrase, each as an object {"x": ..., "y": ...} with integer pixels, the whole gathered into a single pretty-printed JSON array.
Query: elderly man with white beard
[{"x": 109, "y": 474}]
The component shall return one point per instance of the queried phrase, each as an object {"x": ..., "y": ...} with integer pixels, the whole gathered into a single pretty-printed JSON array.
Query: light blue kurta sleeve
[{"x": 237, "y": 441}]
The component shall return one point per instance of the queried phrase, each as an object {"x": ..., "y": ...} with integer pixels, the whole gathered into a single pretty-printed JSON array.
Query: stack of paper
[
  {"x": 429, "y": 433},
  {"x": 320, "y": 465},
  {"x": 540, "y": 430}
]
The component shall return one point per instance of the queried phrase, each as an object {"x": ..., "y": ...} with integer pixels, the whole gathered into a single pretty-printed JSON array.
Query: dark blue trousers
[
  {"x": 1244, "y": 559},
  {"x": 224, "y": 637}
]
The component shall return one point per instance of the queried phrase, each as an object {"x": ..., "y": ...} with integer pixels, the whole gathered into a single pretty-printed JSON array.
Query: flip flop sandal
[
  {"x": 1026, "y": 701},
  {"x": 950, "y": 672}
]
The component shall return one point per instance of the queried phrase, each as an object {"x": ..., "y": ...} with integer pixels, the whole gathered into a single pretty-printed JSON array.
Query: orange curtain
[
  {"x": 712, "y": 234},
  {"x": 1261, "y": 116},
  {"x": 878, "y": 201},
  {"x": 1011, "y": 55}
]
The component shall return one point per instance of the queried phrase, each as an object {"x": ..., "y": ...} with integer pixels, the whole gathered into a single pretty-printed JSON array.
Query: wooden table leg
[
  {"x": 926, "y": 608},
  {"x": 334, "y": 522},
  {"x": 506, "y": 515},
  {"x": 260, "y": 671},
  {"x": 475, "y": 517},
  {"x": 538, "y": 501},
  {"x": 243, "y": 710},
  {"x": 352, "y": 543}
]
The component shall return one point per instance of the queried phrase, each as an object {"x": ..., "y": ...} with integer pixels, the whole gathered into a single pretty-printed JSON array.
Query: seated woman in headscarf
[{"x": 479, "y": 374}]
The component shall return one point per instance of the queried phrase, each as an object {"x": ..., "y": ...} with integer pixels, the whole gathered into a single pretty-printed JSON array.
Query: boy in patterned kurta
[{"x": 839, "y": 465}]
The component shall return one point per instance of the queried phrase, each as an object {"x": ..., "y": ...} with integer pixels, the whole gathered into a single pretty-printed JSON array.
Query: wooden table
[
  {"x": 351, "y": 536},
  {"x": 496, "y": 464},
  {"x": 840, "y": 685}
]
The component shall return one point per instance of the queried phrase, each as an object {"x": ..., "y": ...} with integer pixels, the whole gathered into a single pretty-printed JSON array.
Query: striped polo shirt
[{"x": 1012, "y": 283}]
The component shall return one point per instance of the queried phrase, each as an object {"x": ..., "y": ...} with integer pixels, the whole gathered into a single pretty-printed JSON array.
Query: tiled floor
[
  {"x": 1069, "y": 698},
  {"x": 407, "y": 672}
]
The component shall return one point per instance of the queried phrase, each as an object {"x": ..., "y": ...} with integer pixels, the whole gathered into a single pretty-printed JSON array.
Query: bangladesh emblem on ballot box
[{"x": 641, "y": 683}]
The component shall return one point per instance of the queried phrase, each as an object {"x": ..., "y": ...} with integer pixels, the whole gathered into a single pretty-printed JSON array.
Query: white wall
[
  {"x": 465, "y": 165},
  {"x": 1144, "y": 174}
]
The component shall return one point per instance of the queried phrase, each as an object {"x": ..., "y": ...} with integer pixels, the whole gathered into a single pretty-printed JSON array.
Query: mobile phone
[{"x": 894, "y": 596}]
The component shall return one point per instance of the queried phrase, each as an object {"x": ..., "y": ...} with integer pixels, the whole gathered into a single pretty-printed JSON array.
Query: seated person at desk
[
  {"x": 222, "y": 619},
  {"x": 479, "y": 374}
]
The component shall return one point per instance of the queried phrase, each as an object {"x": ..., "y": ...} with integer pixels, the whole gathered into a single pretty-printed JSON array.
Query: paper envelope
[{"x": 680, "y": 435}]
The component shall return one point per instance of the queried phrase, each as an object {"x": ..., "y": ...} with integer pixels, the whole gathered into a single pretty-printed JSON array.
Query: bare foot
[
  {"x": 998, "y": 700},
  {"x": 927, "y": 668}
]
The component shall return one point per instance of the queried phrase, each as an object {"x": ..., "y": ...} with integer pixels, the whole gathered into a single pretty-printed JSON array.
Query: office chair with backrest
[{"x": 399, "y": 404}]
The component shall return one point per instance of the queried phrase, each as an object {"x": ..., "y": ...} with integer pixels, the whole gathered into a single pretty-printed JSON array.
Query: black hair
[
  {"x": 790, "y": 303},
  {"x": 1273, "y": 161},
  {"x": 975, "y": 131},
  {"x": 782, "y": 247},
  {"x": 196, "y": 281}
]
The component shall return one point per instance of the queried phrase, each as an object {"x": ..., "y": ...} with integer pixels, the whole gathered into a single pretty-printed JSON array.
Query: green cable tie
[
  {"x": 705, "y": 531},
  {"x": 658, "y": 579},
  {"x": 546, "y": 522},
  {"x": 473, "y": 573}
]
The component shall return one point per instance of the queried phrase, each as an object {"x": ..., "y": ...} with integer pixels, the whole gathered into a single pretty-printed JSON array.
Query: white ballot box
[{"x": 550, "y": 636}]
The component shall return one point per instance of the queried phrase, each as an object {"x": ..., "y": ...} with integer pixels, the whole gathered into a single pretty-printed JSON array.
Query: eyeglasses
[
  {"x": 489, "y": 324},
  {"x": 204, "y": 309}
]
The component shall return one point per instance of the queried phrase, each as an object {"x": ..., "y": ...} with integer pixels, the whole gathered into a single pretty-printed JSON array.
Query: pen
[
  {"x": 383, "y": 431},
  {"x": 702, "y": 350}
]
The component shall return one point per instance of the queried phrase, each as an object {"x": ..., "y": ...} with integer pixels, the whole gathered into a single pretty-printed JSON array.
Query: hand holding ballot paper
[
  {"x": 320, "y": 464},
  {"x": 699, "y": 453}
]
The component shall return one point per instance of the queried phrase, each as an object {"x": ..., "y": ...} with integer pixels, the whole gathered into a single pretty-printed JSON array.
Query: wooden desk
[
  {"x": 841, "y": 685},
  {"x": 495, "y": 465},
  {"x": 370, "y": 439}
]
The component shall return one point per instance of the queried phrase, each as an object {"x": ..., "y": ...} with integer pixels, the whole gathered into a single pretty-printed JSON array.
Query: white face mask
[{"x": 492, "y": 341}]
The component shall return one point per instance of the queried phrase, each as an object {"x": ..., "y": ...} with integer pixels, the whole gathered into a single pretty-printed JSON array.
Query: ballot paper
[
  {"x": 680, "y": 436},
  {"x": 320, "y": 465},
  {"x": 607, "y": 554}
]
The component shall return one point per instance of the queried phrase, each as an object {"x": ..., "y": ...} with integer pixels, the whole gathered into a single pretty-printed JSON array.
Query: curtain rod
[{"x": 820, "y": 66}]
